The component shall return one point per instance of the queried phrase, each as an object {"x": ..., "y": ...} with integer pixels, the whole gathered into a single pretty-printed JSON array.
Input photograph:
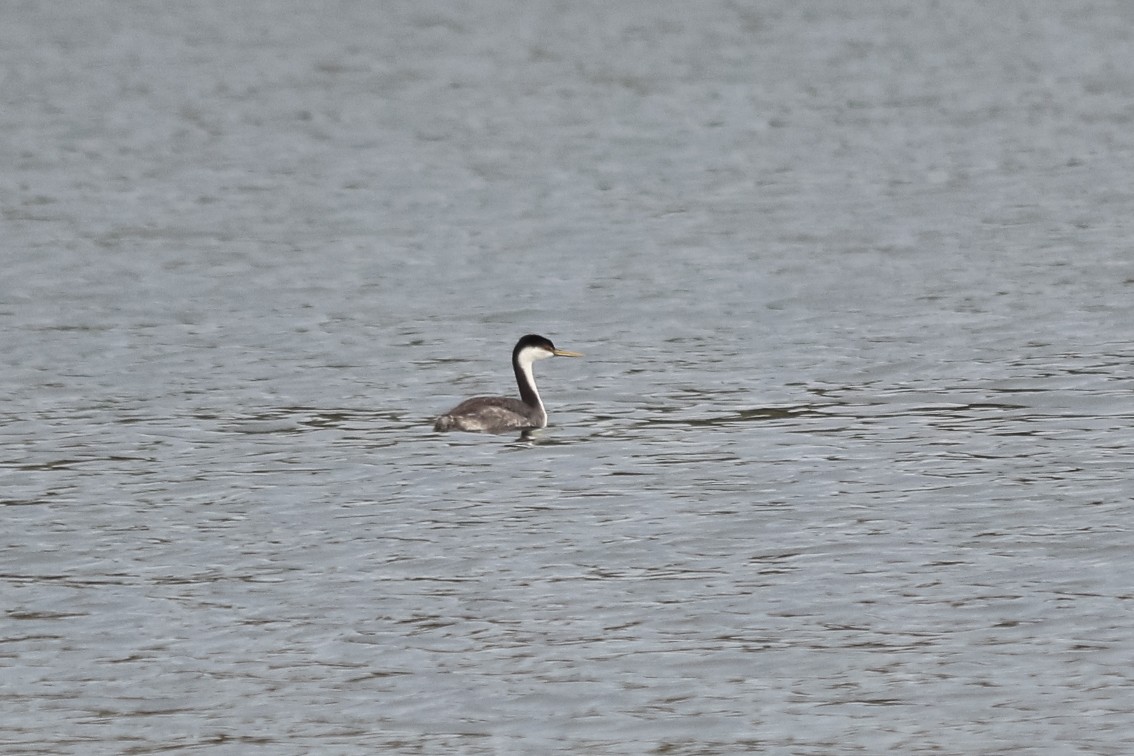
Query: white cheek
[{"x": 531, "y": 354}]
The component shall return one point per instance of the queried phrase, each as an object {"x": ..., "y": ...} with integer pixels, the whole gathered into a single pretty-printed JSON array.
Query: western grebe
[{"x": 500, "y": 414}]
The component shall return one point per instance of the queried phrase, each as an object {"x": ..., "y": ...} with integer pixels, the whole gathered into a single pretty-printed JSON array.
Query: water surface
[{"x": 845, "y": 469}]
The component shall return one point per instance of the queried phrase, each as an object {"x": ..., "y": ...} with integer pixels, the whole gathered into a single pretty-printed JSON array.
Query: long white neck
[{"x": 525, "y": 379}]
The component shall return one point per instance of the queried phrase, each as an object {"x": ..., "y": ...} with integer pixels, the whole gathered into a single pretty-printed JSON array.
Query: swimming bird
[{"x": 501, "y": 414}]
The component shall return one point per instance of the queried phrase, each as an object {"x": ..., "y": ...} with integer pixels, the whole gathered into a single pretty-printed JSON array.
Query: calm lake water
[{"x": 846, "y": 468}]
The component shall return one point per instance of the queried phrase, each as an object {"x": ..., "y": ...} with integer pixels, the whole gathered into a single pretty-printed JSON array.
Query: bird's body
[
  {"x": 492, "y": 414},
  {"x": 500, "y": 414}
]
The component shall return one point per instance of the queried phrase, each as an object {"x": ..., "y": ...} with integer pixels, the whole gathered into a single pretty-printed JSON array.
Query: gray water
[{"x": 846, "y": 468}]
